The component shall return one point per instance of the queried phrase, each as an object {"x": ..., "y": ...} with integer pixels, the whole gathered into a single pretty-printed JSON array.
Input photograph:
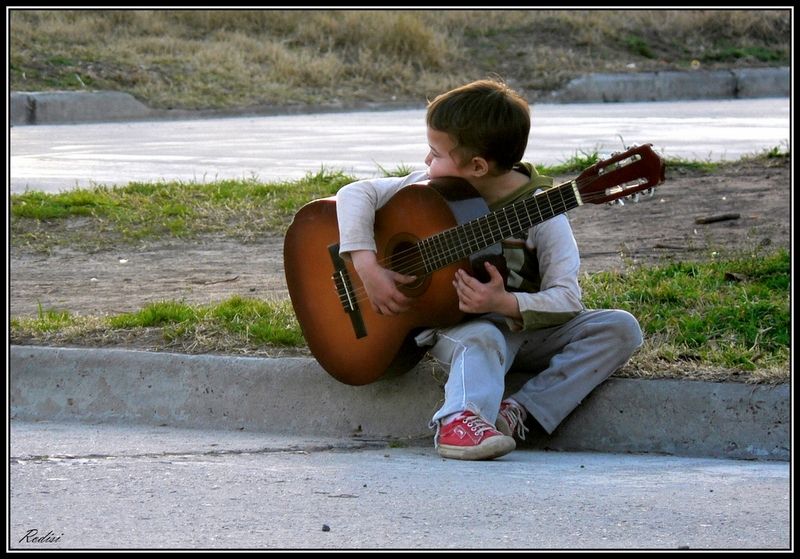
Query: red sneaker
[
  {"x": 511, "y": 419},
  {"x": 470, "y": 437}
]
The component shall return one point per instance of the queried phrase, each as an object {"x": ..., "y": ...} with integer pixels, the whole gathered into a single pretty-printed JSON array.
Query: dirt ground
[{"x": 755, "y": 198}]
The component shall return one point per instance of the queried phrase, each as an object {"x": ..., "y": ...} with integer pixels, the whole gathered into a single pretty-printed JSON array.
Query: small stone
[{"x": 326, "y": 528}]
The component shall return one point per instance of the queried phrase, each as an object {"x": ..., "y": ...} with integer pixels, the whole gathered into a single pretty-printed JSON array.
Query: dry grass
[
  {"x": 92, "y": 332},
  {"x": 230, "y": 58}
]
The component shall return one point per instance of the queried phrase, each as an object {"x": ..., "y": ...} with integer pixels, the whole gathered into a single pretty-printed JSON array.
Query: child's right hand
[{"x": 381, "y": 284}]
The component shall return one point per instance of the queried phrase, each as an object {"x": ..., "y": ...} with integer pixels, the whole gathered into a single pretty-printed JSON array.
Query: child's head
[{"x": 485, "y": 119}]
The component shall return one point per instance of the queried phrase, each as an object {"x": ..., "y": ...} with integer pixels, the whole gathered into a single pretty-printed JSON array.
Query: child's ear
[{"x": 479, "y": 166}]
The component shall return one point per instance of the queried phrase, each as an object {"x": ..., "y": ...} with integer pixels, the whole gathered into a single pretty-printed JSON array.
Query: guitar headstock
[{"x": 623, "y": 174}]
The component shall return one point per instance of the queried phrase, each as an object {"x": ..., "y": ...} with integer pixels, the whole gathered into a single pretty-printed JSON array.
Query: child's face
[{"x": 440, "y": 160}]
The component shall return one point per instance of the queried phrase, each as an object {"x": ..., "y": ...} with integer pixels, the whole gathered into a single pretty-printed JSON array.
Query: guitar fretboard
[{"x": 451, "y": 245}]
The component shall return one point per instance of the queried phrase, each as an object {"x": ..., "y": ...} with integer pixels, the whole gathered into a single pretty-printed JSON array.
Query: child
[{"x": 535, "y": 321}]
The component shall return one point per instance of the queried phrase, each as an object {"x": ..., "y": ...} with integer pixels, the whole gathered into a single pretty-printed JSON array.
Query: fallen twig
[
  {"x": 234, "y": 278},
  {"x": 715, "y": 218}
]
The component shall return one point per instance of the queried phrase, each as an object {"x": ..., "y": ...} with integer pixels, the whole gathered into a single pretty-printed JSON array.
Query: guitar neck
[{"x": 452, "y": 245}]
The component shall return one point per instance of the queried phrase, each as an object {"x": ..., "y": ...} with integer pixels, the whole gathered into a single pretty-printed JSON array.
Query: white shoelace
[
  {"x": 477, "y": 424},
  {"x": 514, "y": 418}
]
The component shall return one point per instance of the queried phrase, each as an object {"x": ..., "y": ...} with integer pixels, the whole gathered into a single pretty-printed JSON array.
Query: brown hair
[{"x": 485, "y": 118}]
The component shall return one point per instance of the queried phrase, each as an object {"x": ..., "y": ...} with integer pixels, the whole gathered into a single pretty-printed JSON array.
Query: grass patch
[
  {"x": 639, "y": 46},
  {"x": 244, "y": 209},
  {"x": 728, "y": 313},
  {"x": 253, "y": 322},
  {"x": 237, "y": 325},
  {"x": 51, "y": 320},
  {"x": 736, "y": 53},
  {"x": 165, "y": 313},
  {"x": 572, "y": 165},
  {"x": 259, "y": 322}
]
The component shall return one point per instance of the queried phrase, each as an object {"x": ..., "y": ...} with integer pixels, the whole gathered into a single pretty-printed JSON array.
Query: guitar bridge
[{"x": 347, "y": 295}]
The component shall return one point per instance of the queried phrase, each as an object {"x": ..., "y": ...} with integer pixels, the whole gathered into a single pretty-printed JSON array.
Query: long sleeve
[{"x": 356, "y": 204}]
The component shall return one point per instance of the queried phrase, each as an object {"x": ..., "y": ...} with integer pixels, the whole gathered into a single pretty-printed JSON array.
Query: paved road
[
  {"x": 60, "y": 157},
  {"x": 124, "y": 487}
]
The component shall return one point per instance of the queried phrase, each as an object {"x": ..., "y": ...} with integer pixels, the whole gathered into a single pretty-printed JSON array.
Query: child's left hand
[{"x": 476, "y": 297}]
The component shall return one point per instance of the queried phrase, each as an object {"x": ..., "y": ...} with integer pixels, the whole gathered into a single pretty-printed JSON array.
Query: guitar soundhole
[{"x": 405, "y": 258}]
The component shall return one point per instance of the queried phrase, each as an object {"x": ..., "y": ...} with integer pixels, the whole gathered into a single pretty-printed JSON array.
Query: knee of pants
[
  {"x": 480, "y": 336},
  {"x": 627, "y": 330}
]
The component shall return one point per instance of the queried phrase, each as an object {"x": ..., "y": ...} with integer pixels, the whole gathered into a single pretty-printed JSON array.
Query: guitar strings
[
  {"x": 405, "y": 261},
  {"x": 476, "y": 226}
]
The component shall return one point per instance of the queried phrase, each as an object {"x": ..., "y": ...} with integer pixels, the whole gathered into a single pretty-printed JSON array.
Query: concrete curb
[
  {"x": 295, "y": 396},
  {"x": 64, "y": 107},
  {"x": 669, "y": 86}
]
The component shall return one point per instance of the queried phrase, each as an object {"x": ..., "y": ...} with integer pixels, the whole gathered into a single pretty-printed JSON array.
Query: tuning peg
[{"x": 649, "y": 192}]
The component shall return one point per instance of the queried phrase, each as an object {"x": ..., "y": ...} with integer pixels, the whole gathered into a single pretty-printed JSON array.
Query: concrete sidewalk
[{"x": 294, "y": 396}]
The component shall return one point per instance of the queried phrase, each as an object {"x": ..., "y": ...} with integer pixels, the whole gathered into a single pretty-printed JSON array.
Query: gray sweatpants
[{"x": 566, "y": 362}]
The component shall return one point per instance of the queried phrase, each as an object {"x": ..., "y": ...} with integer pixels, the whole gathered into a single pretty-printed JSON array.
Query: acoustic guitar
[{"x": 428, "y": 230}]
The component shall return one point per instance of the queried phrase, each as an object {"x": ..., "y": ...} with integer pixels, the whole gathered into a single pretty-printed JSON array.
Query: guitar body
[
  {"x": 428, "y": 231},
  {"x": 361, "y": 349}
]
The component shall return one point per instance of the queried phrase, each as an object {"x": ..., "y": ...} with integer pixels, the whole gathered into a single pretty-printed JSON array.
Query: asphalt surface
[
  {"x": 176, "y": 451},
  {"x": 61, "y": 157},
  {"x": 133, "y": 487}
]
